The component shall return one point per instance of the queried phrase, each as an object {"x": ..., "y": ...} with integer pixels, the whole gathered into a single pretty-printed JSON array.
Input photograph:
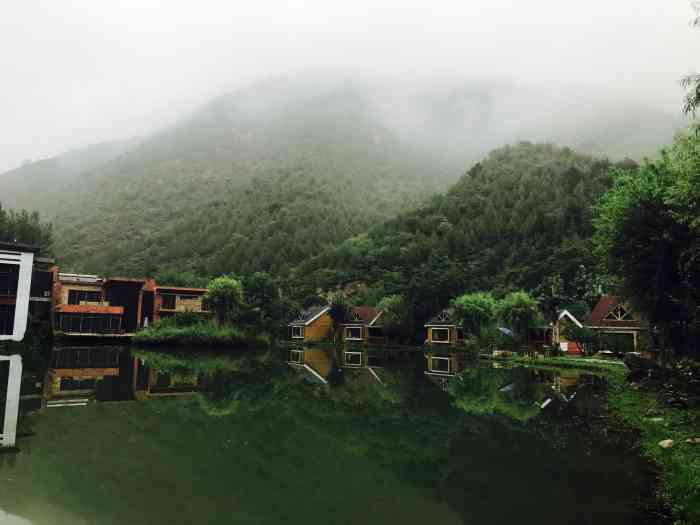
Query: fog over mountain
[{"x": 81, "y": 72}]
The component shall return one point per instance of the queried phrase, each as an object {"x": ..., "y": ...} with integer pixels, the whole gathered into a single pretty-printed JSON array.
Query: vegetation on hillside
[{"x": 518, "y": 219}]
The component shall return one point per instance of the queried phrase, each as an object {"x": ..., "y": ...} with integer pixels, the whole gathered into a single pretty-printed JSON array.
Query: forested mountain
[
  {"x": 265, "y": 177},
  {"x": 520, "y": 216},
  {"x": 34, "y": 184}
]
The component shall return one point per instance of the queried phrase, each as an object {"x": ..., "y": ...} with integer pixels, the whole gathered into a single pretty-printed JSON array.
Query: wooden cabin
[
  {"x": 613, "y": 315},
  {"x": 362, "y": 325},
  {"x": 312, "y": 325},
  {"x": 564, "y": 321},
  {"x": 444, "y": 329},
  {"x": 170, "y": 300}
]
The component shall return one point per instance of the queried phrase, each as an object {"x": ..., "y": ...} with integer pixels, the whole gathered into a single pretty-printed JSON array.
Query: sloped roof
[
  {"x": 309, "y": 315},
  {"x": 568, "y": 315},
  {"x": 444, "y": 317},
  {"x": 605, "y": 306},
  {"x": 366, "y": 315}
]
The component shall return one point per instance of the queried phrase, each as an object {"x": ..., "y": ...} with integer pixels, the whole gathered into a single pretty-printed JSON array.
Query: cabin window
[
  {"x": 9, "y": 279},
  {"x": 441, "y": 335},
  {"x": 619, "y": 313},
  {"x": 353, "y": 333},
  {"x": 7, "y": 319},
  {"x": 375, "y": 331},
  {"x": 356, "y": 317},
  {"x": 168, "y": 301},
  {"x": 297, "y": 332},
  {"x": 296, "y": 356},
  {"x": 353, "y": 358},
  {"x": 87, "y": 296},
  {"x": 440, "y": 365}
]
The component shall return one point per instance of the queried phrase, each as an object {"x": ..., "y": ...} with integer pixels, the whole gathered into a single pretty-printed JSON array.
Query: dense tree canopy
[
  {"x": 25, "y": 227},
  {"x": 648, "y": 235}
]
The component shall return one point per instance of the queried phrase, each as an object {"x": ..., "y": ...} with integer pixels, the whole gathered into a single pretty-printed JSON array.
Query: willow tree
[
  {"x": 225, "y": 294},
  {"x": 475, "y": 311},
  {"x": 521, "y": 312}
]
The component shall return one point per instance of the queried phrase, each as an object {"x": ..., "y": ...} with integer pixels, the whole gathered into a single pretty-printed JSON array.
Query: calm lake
[{"x": 317, "y": 436}]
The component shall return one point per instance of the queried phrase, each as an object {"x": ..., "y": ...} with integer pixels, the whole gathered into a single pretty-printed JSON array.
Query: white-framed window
[
  {"x": 296, "y": 356},
  {"x": 356, "y": 317},
  {"x": 353, "y": 333},
  {"x": 297, "y": 332},
  {"x": 441, "y": 335},
  {"x": 441, "y": 365},
  {"x": 17, "y": 282},
  {"x": 353, "y": 358}
]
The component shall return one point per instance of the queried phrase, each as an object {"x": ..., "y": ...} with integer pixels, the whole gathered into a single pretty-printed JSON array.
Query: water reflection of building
[
  {"x": 316, "y": 362},
  {"x": 441, "y": 367},
  {"x": 76, "y": 374},
  {"x": 148, "y": 381}
]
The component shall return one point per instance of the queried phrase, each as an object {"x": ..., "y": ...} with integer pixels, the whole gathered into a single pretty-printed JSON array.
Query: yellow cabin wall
[{"x": 319, "y": 330}]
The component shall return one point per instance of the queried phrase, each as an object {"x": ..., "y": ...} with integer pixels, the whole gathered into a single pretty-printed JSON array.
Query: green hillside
[
  {"x": 514, "y": 219},
  {"x": 268, "y": 176}
]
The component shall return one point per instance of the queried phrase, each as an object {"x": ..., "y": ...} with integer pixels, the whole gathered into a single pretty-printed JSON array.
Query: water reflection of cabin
[
  {"x": 77, "y": 371},
  {"x": 170, "y": 300},
  {"x": 444, "y": 329},
  {"x": 442, "y": 367},
  {"x": 362, "y": 325},
  {"x": 25, "y": 288},
  {"x": 150, "y": 382},
  {"x": 316, "y": 362},
  {"x": 312, "y": 325}
]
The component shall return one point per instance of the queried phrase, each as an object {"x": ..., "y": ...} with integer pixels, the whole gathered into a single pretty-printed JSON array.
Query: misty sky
[{"x": 78, "y": 72}]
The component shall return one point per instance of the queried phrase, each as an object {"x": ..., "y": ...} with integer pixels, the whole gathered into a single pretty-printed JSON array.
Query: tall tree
[
  {"x": 521, "y": 312},
  {"x": 648, "y": 231},
  {"x": 225, "y": 294},
  {"x": 692, "y": 82},
  {"x": 477, "y": 311},
  {"x": 25, "y": 227}
]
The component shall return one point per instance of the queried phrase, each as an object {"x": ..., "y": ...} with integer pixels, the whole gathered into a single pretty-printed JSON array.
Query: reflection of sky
[{"x": 9, "y": 519}]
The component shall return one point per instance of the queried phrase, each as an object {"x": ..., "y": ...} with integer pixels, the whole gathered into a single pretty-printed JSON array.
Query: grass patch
[
  {"x": 203, "y": 334},
  {"x": 681, "y": 463}
]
